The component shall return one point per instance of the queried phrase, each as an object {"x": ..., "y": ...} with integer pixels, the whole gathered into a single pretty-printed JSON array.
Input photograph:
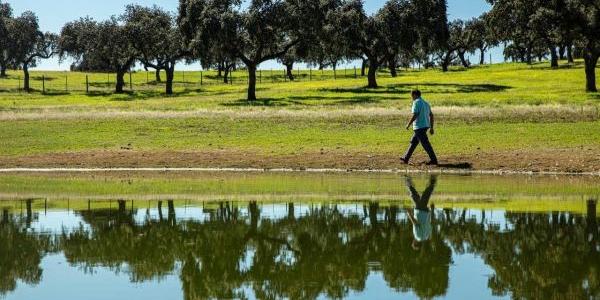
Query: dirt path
[{"x": 572, "y": 160}]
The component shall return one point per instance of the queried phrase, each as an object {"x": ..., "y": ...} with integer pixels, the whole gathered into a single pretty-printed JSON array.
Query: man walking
[{"x": 422, "y": 121}]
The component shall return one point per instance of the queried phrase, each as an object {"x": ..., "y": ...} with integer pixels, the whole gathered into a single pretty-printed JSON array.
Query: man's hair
[{"x": 416, "y": 93}]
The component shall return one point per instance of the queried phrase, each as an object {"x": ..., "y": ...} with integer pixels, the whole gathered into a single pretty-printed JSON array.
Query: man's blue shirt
[{"x": 422, "y": 109}]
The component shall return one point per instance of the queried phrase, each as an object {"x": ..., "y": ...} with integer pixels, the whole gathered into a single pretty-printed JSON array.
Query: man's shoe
[
  {"x": 432, "y": 163},
  {"x": 404, "y": 160}
]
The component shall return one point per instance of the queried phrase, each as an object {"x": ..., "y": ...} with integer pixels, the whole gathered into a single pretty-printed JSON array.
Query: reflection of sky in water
[
  {"x": 54, "y": 220},
  {"x": 468, "y": 274},
  {"x": 60, "y": 281},
  {"x": 468, "y": 280}
]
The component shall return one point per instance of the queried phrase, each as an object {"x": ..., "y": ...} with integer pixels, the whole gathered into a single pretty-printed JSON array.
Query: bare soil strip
[{"x": 547, "y": 161}]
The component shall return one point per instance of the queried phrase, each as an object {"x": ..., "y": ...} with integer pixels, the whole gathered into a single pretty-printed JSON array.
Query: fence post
[
  {"x": 334, "y": 74},
  {"x": 87, "y": 84},
  {"x": 130, "y": 82},
  {"x": 67, "y": 82},
  {"x": 354, "y": 72},
  {"x": 310, "y": 74},
  {"x": 201, "y": 77},
  {"x": 43, "y": 84},
  {"x": 19, "y": 79}
]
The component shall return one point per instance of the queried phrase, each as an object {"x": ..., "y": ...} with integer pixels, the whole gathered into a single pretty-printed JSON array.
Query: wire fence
[{"x": 53, "y": 82}]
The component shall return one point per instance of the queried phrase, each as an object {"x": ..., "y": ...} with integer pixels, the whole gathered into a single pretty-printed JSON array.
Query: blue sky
[{"x": 53, "y": 14}]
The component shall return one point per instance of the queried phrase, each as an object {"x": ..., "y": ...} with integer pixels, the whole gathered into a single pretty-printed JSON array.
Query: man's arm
[
  {"x": 411, "y": 217},
  {"x": 432, "y": 121},
  {"x": 412, "y": 120}
]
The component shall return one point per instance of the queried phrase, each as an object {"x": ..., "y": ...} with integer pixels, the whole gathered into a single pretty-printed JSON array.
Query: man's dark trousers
[{"x": 420, "y": 136}]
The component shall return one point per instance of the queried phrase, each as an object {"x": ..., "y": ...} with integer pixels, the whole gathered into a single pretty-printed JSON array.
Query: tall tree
[
  {"x": 156, "y": 39},
  {"x": 288, "y": 61},
  {"x": 482, "y": 34},
  {"x": 254, "y": 33},
  {"x": 400, "y": 26},
  {"x": 585, "y": 19},
  {"x": 104, "y": 44},
  {"x": 5, "y": 16},
  {"x": 511, "y": 19},
  {"x": 453, "y": 46},
  {"x": 464, "y": 40},
  {"x": 27, "y": 44}
]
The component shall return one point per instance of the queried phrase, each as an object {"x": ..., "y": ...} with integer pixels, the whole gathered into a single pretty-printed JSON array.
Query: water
[{"x": 304, "y": 249}]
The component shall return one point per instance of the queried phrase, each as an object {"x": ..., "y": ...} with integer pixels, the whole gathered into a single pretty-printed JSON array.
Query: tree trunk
[
  {"x": 251, "y": 82},
  {"x": 254, "y": 214},
  {"x": 291, "y": 215},
  {"x": 591, "y": 59},
  {"x": 3, "y": 70},
  {"x": 553, "y": 58},
  {"x": 120, "y": 81},
  {"x": 392, "y": 66},
  {"x": 26, "y": 77},
  {"x": 158, "y": 75},
  {"x": 226, "y": 78},
  {"x": 171, "y": 213},
  {"x": 570, "y": 54},
  {"x": 446, "y": 60},
  {"x": 363, "y": 67},
  {"x": 372, "y": 75},
  {"x": 561, "y": 52},
  {"x": 289, "y": 67},
  {"x": 220, "y": 70},
  {"x": 528, "y": 55},
  {"x": 461, "y": 55},
  {"x": 482, "y": 56},
  {"x": 170, "y": 75}
]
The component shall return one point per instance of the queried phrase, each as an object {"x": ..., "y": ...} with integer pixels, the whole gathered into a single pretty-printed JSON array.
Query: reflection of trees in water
[
  {"x": 324, "y": 251},
  {"x": 149, "y": 249},
  {"x": 542, "y": 256},
  {"x": 20, "y": 252}
]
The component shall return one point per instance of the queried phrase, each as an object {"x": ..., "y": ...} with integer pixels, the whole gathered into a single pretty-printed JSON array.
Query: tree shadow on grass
[
  {"x": 561, "y": 65},
  {"x": 54, "y": 93},
  {"x": 138, "y": 95},
  {"x": 48, "y": 93},
  {"x": 40, "y": 78},
  {"x": 402, "y": 88},
  {"x": 265, "y": 102},
  {"x": 336, "y": 100}
]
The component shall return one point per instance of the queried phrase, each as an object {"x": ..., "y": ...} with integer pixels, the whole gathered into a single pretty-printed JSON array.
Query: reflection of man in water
[{"x": 420, "y": 216}]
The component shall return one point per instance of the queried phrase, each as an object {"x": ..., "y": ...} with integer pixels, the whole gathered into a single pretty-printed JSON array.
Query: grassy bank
[{"x": 537, "y": 193}]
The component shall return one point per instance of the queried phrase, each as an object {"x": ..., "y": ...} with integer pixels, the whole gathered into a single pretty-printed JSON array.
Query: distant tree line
[{"x": 225, "y": 35}]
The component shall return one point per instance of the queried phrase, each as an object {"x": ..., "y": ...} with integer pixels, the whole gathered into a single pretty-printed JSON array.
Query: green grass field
[{"x": 500, "y": 109}]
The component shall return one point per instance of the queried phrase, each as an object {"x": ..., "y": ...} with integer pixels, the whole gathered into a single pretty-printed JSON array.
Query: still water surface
[{"x": 150, "y": 249}]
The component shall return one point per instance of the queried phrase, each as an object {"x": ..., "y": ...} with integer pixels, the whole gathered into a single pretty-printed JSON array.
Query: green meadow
[{"x": 484, "y": 110}]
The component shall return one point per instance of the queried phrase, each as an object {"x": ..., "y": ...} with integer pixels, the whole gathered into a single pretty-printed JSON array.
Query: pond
[{"x": 298, "y": 236}]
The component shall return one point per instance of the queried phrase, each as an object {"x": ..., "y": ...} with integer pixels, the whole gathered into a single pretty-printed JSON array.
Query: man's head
[{"x": 416, "y": 94}]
